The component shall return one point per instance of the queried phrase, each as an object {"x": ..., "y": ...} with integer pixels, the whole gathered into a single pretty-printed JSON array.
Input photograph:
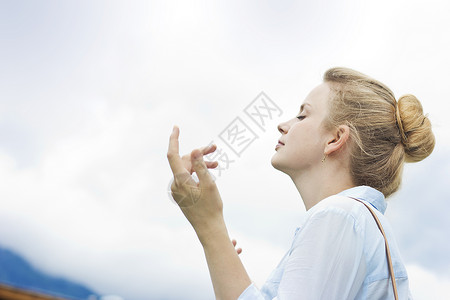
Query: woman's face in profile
[{"x": 303, "y": 137}]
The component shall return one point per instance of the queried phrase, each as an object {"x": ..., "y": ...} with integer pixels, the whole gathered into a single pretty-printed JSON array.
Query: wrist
[{"x": 209, "y": 233}]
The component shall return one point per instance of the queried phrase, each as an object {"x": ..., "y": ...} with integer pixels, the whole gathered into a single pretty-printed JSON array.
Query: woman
[{"x": 348, "y": 142}]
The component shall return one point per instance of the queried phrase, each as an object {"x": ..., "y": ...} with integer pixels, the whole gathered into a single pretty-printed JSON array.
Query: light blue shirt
[{"x": 338, "y": 252}]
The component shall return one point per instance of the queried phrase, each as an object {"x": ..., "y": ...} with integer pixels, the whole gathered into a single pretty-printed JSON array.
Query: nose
[{"x": 282, "y": 128}]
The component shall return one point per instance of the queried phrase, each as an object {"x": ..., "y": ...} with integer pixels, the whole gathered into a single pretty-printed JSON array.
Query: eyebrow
[{"x": 303, "y": 106}]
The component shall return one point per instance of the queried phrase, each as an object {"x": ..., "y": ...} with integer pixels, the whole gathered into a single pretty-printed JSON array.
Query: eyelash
[{"x": 301, "y": 117}]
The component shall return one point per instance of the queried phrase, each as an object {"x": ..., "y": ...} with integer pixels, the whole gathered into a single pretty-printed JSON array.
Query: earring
[{"x": 324, "y": 157}]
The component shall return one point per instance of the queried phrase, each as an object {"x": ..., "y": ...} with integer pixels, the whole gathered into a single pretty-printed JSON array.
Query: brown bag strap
[{"x": 388, "y": 254}]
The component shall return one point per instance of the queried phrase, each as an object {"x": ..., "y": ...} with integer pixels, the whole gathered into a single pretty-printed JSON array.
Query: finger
[
  {"x": 173, "y": 152},
  {"x": 200, "y": 167},
  {"x": 211, "y": 164},
  {"x": 205, "y": 150},
  {"x": 209, "y": 149},
  {"x": 186, "y": 160}
]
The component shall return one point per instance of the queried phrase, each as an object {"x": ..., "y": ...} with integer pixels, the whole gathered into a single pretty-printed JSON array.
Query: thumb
[{"x": 200, "y": 167}]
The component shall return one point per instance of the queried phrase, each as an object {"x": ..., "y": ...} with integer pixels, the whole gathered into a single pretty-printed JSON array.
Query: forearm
[{"x": 228, "y": 275}]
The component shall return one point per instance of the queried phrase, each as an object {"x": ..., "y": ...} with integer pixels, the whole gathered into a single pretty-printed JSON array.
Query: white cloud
[
  {"x": 417, "y": 213},
  {"x": 86, "y": 198},
  {"x": 427, "y": 285}
]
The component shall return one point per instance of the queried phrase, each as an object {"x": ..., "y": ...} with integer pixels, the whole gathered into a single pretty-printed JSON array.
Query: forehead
[{"x": 317, "y": 98}]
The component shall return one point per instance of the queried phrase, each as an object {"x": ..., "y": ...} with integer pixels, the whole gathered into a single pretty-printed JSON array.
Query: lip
[{"x": 279, "y": 145}]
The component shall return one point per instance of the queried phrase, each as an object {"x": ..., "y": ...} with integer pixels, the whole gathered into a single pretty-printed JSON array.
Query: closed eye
[{"x": 301, "y": 117}]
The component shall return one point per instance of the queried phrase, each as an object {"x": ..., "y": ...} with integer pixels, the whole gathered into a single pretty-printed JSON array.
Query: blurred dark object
[{"x": 18, "y": 278}]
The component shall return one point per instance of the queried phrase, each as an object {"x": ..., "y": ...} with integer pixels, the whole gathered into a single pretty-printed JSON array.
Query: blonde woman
[{"x": 344, "y": 151}]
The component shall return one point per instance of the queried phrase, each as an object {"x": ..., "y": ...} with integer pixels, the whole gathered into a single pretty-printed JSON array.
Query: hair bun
[{"x": 415, "y": 128}]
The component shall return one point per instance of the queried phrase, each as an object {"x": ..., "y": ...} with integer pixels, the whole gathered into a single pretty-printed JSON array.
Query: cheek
[
  {"x": 306, "y": 138},
  {"x": 301, "y": 134}
]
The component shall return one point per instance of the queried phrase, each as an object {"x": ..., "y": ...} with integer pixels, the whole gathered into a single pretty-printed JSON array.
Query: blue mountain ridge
[{"x": 15, "y": 271}]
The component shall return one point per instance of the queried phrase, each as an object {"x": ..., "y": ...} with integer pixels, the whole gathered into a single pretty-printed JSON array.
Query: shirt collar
[{"x": 369, "y": 194}]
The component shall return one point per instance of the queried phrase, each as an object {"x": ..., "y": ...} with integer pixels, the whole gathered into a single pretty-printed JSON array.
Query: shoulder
[
  {"x": 337, "y": 209},
  {"x": 337, "y": 204}
]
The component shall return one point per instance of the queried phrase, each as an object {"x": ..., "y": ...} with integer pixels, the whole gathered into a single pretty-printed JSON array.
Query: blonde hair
[{"x": 384, "y": 133}]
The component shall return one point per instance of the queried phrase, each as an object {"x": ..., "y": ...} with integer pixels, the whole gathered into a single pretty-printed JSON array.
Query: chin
[
  {"x": 275, "y": 163},
  {"x": 280, "y": 165}
]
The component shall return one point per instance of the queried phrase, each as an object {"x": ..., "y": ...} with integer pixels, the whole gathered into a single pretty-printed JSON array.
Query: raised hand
[{"x": 200, "y": 202}]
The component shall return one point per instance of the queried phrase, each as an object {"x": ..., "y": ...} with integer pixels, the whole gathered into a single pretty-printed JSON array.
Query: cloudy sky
[{"x": 90, "y": 90}]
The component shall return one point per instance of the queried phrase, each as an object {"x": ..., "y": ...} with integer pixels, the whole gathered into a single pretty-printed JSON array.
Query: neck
[{"x": 322, "y": 182}]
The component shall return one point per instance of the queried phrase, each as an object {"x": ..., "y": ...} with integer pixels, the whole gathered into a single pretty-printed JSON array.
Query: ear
[{"x": 338, "y": 139}]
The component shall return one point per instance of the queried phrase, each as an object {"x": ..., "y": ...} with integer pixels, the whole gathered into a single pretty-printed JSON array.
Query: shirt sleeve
[
  {"x": 251, "y": 293},
  {"x": 327, "y": 260}
]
